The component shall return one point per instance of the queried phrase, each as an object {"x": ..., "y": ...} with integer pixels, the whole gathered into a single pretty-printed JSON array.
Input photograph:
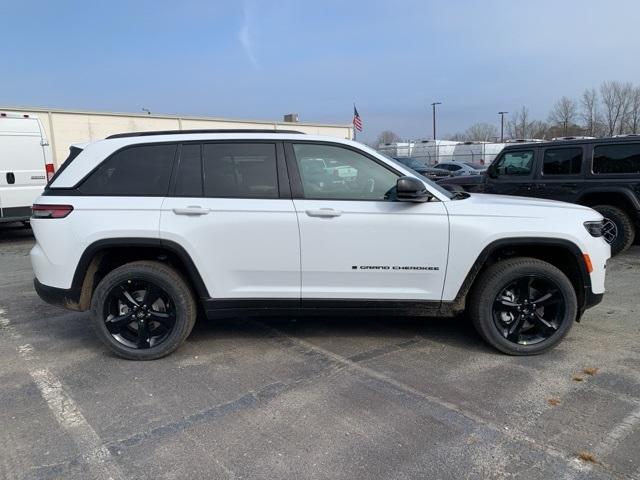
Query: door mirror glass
[{"x": 410, "y": 189}]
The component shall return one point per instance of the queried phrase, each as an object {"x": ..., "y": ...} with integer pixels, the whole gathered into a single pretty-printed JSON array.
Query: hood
[
  {"x": 486, "y": 205},
  {"x": 506, "y": 201}
]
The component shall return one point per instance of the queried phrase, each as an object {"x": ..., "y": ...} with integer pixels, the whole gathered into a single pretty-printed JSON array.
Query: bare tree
[
  {"x": 616, "y": 98},
  {"x": 564, "y": 113},
  {"x": 481, "y": 132},
  {"x": 521, "y": 126},
  {"x": 633, "y": 116},
  {"x": 387, "y": 136},
  {"x": 590, "y": 115}
]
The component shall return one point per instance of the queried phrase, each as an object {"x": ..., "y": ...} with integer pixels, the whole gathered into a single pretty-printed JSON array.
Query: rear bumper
[{"x": 60, "y": 297}]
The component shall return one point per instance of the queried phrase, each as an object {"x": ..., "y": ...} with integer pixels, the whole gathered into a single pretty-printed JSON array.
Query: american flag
[{"x": 357, "y": 121}]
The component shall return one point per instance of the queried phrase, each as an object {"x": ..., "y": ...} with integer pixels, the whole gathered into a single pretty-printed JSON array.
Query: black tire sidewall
[
  {"x": 166, "y": 279},
  {"x": 626, "y": 231},
  {"x": 497, "y": 278}
]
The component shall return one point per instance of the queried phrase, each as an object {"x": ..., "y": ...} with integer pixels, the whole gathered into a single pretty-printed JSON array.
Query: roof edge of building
[{"x": 172, "y": 117}]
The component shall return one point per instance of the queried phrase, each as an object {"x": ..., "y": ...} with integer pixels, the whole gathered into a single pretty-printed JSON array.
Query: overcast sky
[{"x": 261, "y": 59}]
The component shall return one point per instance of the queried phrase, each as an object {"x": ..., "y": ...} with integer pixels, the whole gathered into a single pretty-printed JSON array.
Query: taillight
[
  {"x": 50, "y": 171},
  {"x": 51, "y": 211}
]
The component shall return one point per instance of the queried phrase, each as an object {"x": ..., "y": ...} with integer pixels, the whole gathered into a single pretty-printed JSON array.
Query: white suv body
[{"x": 250, "y": 224}]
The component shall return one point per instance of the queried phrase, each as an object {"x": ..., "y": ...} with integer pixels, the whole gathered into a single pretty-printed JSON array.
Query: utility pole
[
  {"x": 502, "y": 114},
  {"x": 433, "y": 106}
]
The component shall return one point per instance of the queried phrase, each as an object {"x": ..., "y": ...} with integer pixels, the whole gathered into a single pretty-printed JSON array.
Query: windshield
[{"x": 431, "y": 183}]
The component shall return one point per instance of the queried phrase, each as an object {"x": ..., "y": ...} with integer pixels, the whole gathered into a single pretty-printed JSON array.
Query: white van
[{"x": 25, "y": 165}]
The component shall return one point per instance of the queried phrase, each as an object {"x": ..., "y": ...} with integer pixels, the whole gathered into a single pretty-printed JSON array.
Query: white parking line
[{"x": 66, "y": 412}]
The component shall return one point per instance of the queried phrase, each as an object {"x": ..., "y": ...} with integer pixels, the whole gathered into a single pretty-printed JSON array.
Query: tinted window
[
  {"x": 562, "y": 161},
  {"x": 341, "y": 174},
  {"x": 617, "y": 158},
  {"x": 236, "y": 170},
  {"x": 140, "y": 170},
  {"x": 515, "y": 163},
  {"x": 189, "y": 175}
]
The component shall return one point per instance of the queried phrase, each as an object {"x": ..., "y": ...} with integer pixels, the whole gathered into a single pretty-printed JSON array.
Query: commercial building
[{"x": 66, "y": 127}]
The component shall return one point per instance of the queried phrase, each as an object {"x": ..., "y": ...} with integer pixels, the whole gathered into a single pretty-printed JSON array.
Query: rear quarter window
[
  {"x": 617, "y": 159},
  {"x": 133, "y": 171}
]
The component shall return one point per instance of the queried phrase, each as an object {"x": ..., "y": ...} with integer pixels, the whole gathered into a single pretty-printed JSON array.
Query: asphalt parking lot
[{"x": 316, "y": 398}]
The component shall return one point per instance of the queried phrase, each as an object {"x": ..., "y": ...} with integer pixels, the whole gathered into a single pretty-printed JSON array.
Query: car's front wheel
[
  {"x": 143, "y": 310},
  {"x": 523, "y": 306}
]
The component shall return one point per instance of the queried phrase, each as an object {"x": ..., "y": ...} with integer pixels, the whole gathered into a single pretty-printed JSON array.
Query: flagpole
[{"x": 355, "y": 133}]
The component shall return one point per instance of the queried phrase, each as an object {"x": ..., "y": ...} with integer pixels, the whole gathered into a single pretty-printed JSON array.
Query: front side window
[
  {"x": 562, "y": 161},
  {"x": 515, "y": 163},
  {"x": 616, "y": 158},
  {"x": 330, "y": 172},
  {"x": 133, "y": 171},
  {"x": 240, "y": 170}
]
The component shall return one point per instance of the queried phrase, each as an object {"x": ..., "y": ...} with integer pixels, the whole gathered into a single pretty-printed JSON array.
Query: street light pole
[
  {"x": 502, "y": 114},
  {"x": 433, "y": 106}
]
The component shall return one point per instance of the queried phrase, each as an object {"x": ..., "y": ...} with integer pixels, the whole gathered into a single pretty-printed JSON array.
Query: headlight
[{"x": 594, "y": 228}]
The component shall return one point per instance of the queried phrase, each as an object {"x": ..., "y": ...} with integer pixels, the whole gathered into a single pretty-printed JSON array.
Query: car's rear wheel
[
  {"x": 618, "y": 231},
  {"x": 143, "y": 310},
  {"x": 523, "y": 306}
]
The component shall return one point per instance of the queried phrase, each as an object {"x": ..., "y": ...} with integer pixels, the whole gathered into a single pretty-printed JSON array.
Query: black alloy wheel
[
  {"x": 139, "y": 314},
  {"x": 529, "y": 310}
]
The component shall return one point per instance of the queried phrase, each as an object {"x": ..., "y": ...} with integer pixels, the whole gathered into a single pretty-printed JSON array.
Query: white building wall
[{"x": 64, "y": 128}]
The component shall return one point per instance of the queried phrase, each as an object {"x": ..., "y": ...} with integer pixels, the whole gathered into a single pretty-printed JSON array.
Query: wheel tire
[
  {"x": 624, "y": 225},
  {"x": 174, "y": 288},
  {"x": 494, "y": 280}
]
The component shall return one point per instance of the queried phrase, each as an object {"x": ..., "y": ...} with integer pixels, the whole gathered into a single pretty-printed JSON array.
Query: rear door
[
  {"x": 560, "y": 173},
  {"x": 230, "y": 208},
  {"x": 515, "y": 169},
  {"x": 22, "y": 166}
]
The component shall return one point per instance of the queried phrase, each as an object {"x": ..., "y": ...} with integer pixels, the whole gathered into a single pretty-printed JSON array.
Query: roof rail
[{"x": 180, "y": 132}]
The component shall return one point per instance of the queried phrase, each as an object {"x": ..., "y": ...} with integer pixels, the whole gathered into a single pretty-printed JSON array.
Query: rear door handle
[
  {"x": 11, "y": 178},
  {"x": 569, "y": 185},
  {"x": 324, "y": 212},
  {"x": 191, "y": 210}
]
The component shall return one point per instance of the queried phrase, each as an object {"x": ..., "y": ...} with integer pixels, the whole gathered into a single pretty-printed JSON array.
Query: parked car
[
  {"x": 423, "y": 169},
  {"x": 25, "y": 163},
  {"x": 147, "y": 229},
  {"x": 462, "y": 168},
  {"x": 600, "y": 173}
]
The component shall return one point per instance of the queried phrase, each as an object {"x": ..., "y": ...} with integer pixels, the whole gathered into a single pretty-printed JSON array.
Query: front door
[
  {"x": 515, "y": 174},
  {"x": 356, "y": 241}
]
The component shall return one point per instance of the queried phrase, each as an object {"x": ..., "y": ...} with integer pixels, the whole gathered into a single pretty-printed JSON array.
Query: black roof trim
[
  {"x": 180, "y": 132},
  {"x": 562, "y": 143}
]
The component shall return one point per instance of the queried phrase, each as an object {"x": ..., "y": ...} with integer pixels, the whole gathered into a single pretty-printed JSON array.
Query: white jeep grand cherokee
[{"x": 148, "y": 229}]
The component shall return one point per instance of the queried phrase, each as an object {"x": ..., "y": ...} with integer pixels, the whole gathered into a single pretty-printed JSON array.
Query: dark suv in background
[{"x": 600, "y": 173}]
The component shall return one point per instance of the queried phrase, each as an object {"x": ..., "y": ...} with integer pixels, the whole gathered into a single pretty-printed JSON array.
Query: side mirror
[
  {"x": 410, "y": 189},
  {"x": 492, "y": 171}
]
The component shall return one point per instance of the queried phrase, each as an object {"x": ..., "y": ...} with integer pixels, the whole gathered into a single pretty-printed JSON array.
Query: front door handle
[
  {"x": 324, "y": 212},
  {"x": 11, "y": 178},
  {"x": 569, "y": 185},
  {"x": 191, "y": 210}
]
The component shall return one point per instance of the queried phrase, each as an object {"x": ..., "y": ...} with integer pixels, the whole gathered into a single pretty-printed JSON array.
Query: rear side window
[
  {"x": 236, "y": 170},
  {"x": 133, "y": 171},
  {"x": 616, "y": 158},
  {"x": 562, "y": 161}
]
